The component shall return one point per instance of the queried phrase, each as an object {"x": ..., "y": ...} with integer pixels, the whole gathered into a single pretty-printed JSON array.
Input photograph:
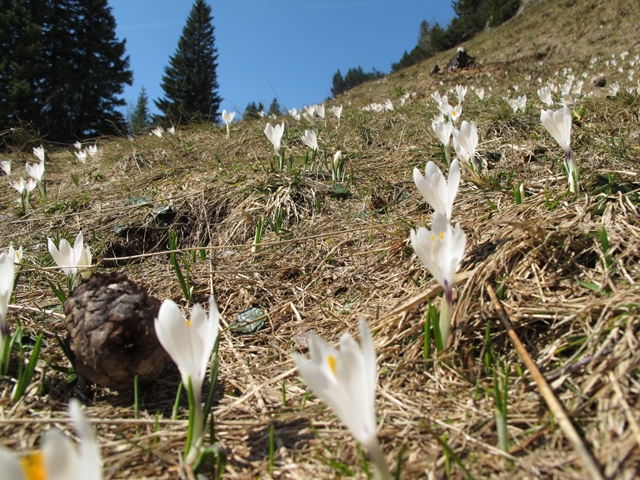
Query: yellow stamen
[
  {"x": 33, "y": 466},
  {"x": 433, "y": 237},
  {"x": 332, "y": 363},
  {"x": 441, "y": 235},
  {"x": 188, "y": 322}
]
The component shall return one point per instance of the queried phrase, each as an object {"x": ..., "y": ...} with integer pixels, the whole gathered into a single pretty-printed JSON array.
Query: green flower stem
[
  {"x": 446, "y": 313},
  {"x": 377, "y": 457},
  {"x": 195, "y": 433}
]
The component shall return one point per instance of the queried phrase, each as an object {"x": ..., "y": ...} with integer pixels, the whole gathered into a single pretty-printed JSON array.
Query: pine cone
[{"x": 111, "y": 332}]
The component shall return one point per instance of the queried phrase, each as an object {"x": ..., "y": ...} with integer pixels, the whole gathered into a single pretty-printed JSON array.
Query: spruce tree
[
  {"x": 274, "y": 108},
  {"x": 21, "y": 67},
  {"x": 86, "y": 70},
  {"x": 140, "y": 118},
  {"x": 339, "y": 85},
  {"x": 61, "y": 67},
  {"x": 190, "y": 82},
  {"x": 252, "y": 111}
]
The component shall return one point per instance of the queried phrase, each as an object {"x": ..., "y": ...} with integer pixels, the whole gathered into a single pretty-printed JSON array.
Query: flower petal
[{"x": 89, "y": 458}]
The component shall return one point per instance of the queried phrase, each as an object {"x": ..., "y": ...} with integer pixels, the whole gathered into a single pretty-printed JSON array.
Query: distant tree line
[
  {"x": 255, "y": 110},
  {"x": 471, "y": 17},
  {"x": 353, "y": 78}
]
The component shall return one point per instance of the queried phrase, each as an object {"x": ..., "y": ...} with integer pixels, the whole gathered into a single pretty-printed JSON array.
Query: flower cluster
[{"x": 440, "y": 249}]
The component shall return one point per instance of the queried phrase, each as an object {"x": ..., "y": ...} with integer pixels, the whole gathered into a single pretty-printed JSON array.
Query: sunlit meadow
[{"x": 390, "y": 270}]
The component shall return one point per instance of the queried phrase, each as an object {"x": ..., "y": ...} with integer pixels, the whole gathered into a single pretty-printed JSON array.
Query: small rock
[
  {"x": 460, "y": 60},
  {"x": 110, "y": 321},
  {"x": 599, "y": 81},
  {"x": 435, "y": 70}
]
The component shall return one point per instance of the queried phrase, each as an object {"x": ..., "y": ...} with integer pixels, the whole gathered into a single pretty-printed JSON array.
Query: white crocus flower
[
  {"x": 274, "y": 134},
  {"x": 24, "y": 189},
  {"x": 461, "y": 91},
  {"x": 441, "y": 249},
  {"x": 157, "y": 132},
  {"x": 81, "y": 156},
  {"x": 345, "y": 380},
  {"x": 614, "y": 88},
  {"x": 480, "y": 93},
  {"x": 388, "y": 106},
  {"x": 465, "y": 142},
  {"x": 558, "y": 124},
  {"x": 6, "y": 166},
  {"x": 319, "y": 109},
  {"x": 7, "y": 279},
  {"x": 84, "y": 260},
  {"x": 444, "y": 107},
  {"x": 566, "y": 100},
  {"x": 443, "y": 131},
  {"x": 337, "y": 168},
  {"x": 189, "y": 343},
  {"x": 455, "y": 113},
  {"x": 39, "y": 152},
  {"x": 35, "y": 170},
  {"x": 15, "y": 254},
  {"x": 20, "y": 185},
  {"x": 337, "y": 111},
  {"x": 228, "y": 118},
  {"x": 310, "y": 139},
  {"x": 438, "y": 192},
  {"x": 70, "y": 259},
  {"x": 544, "y": 94},
  {"x": 58, "y": 460},
  {"x": 92, "y": 150},
  {"x": 31, "y": 185},
  {"x": 310, "y": 110},
  {"x": 171, "y": 130},
  {"x": 519, "y": 103},
  {"x": 295, "y": 114},
  {"x": 577, "y": 87},
  {"x": 78, "y": 145},
  {"x": 308, "y": 117}
]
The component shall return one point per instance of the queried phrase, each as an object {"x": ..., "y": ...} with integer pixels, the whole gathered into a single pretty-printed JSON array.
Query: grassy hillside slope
[{"x": 565, "y": 267}]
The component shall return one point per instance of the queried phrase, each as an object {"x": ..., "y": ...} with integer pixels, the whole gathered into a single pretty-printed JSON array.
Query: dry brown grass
[{"x": 339, "y": 259}]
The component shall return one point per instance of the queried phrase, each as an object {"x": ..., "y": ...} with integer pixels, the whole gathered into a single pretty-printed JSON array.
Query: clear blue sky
[{"x": 268, "y": 48}]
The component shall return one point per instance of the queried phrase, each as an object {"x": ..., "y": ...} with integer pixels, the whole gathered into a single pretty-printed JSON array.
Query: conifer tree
[
  {"x": 252, "y": 111},
  {"x": 140, "y": 119},
  {"x": 339, "y": 85},
  {"x": 86, "y": 70},
  {"x": 274, "y": 108},
  {"x": 190, "y": 82},
  {"x": 61, "y": 67},
  {"x": 21, "y": 67}
]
